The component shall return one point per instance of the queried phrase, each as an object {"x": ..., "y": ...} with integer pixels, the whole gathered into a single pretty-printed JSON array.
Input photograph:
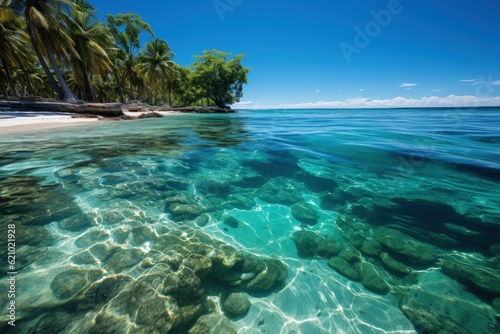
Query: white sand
[{"x": 18, "y": 122}]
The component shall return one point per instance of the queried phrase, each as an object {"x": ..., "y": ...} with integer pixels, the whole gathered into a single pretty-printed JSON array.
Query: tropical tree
[
  {"x": 12, "y": 43},
  {"x": 49, "y": 39},
  {"x": 91, "y": 39},
  {"x": 126, "y": 30},
  {"x": 181, "y": 90},
  {"x": 221, "y": 80},
  {"x": 155, "y": 65}
]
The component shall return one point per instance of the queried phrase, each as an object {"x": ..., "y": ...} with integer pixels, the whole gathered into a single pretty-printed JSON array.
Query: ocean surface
[{"x": 327, "y": 221}]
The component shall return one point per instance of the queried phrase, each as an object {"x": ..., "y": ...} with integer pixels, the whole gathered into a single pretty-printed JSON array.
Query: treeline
[{"x": 60, "y": 49}]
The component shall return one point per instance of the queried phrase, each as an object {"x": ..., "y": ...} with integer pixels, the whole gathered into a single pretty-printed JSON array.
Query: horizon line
[{"x": 372, "y": 108}]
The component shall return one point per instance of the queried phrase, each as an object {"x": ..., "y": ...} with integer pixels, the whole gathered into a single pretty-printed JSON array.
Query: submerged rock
[
  {"x": 493, "y": 262},
  {"x": 309, "y": 244},
  {"x": 83, "y": 258},
  {"x": 344, "y": 268},
  {"x": 306, "y": 242},
  {"x": 202, "y": 220},
  {"x": 214, "y": 188},
  {"x": 251, "y": 180},
  {"x": 280, "y": 190},
  {"x": 101, "y": 292},
  {"x": 70, "y": 282},
  {"x": 244, "y": 201},
  {"x": 427, "y": 321},
  {"x": 482, "y": 278},
  {"x": 495, "y": 249},
  {"x": 75, "y": 223},
  {"x": 327, "y": 248},
  {"x": 462, "y": 230},
  {"x": 438, "y": 239},
  {"x": 90, "y": 238},
  {"x": 212, "y": 323},
  {"x": 496, "y": 304},
  {"x": 305, "y": 213},
  {"x": 201, "y": 265},
  {"x": 237, "y": 304},
  {"x": 371, "y": 248},
  {"x": 273, "y": 274},
  {"x": 370, "y": 278},
  {"x": 316, "y": 183},
  {"x": 33, "y": 235},
  {"x": 232, "y": 222},
  {"x": 122, "y": 259},
  {"x": 406, "y": 247},
  {"x": 394, "y": 265},
  {"x": 35, "y": 204},
  {"x": 351, "y": 255},
  {"x": 184, "y": 211}
]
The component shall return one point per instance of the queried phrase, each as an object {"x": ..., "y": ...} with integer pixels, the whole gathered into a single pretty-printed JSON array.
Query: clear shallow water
[{"x": 97, "y": 203}]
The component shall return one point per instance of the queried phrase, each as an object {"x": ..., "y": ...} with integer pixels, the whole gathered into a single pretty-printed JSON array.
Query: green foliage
[
  {"x": 55, "y": 48},
  {"x": 126, "y": 30},
  {"x": 221, "y": 80}
]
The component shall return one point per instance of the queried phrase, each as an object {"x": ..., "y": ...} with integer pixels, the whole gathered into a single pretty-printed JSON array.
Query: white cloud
[
  {"x": 397, "y": 102},
  {"x": 471, "y": 81},
  {"x": 482, "y": 81},
  {"x": 437, "y": 90},
  {"x": 407, "y": 85},
  {"x": 244, "y": 103}
]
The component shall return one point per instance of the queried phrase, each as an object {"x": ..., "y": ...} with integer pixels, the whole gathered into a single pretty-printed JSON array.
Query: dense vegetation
[{"x": 59, "y": 49}]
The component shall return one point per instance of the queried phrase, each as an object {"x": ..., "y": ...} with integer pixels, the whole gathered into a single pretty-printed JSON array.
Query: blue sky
[{"x": 340, "y": 53}]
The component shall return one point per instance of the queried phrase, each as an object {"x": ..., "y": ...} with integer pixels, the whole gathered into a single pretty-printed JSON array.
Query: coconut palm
[
  {"x": 91, "y": 39},
  {"x": 49, "y": 40},
  {"x": 126, "y": 30},
  {"x": 12, "y": 41},
  {"x": 155, "y": 65}
]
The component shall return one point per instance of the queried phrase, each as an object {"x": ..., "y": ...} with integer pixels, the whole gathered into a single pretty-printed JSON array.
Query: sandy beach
[
  {"x": 19, "y": 122},
  {"x": 25, "y": 121}
]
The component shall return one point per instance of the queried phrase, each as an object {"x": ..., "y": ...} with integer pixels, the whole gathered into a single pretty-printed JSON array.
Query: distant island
[{"x": 59, "y": 50}]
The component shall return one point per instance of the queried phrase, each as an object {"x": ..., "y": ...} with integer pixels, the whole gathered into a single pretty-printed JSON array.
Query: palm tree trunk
[
  {"x": 4, "y": 92},
  {"x": 9, "y": 78},
  {"x": 67, "y": 94},
  {"x": 49, "y": 75},
  {"x": 88, "y": 93},
  {"x": 120, "y": 90},
  {"x": 92, "y": 91}
]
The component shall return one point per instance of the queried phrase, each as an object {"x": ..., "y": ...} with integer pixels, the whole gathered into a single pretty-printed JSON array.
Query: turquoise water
[{"x": 145, "y": 226}]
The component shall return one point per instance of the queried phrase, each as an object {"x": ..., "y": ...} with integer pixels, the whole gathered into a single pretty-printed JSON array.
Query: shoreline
[
  {"x": 16, "y": 125},
  {"x": 25, "y": 115}
]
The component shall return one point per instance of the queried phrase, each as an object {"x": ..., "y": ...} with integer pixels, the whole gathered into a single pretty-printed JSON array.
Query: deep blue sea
[{"x": 326, "y": 221}]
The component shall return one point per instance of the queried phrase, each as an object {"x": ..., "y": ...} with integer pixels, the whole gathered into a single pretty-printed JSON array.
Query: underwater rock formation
[
  {"x": 477, "y": 277},
  {"x": 404, "y": 246},
  {"x": 237, "y": 304},
  {"x": 305, "y": 213},
  {"x": 310, "y": 244}
]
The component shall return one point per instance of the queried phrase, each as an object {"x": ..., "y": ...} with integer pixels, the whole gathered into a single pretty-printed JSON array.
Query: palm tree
[
  {"x": 48, "y": 39},
  {"x": 12, "y": 41},
  {"x": 155, "y": 64},
  {"x": 126, "y": 30},
  {"x": 91, "y": 39}
]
